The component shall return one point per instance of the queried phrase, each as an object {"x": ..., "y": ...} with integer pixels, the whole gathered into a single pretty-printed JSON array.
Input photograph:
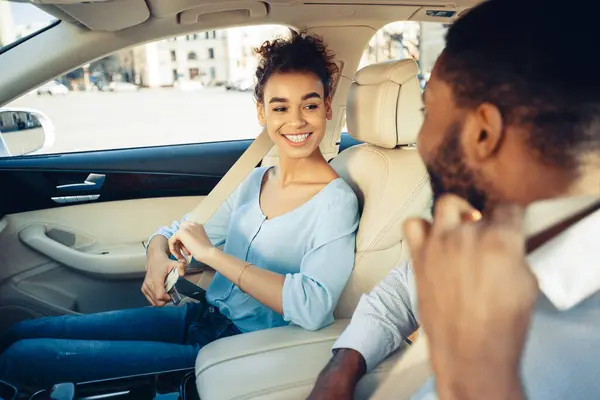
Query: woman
[{"x": 289, "y": 239}]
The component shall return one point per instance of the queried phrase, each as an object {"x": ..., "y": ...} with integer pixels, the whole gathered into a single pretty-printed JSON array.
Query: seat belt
[
  {"x": 413, "y": 369},
  {"x": 240, "y": 170}
]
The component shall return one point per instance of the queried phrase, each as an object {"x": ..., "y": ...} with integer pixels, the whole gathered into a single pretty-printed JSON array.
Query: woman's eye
[
  {"x": 312, "y": 106},
  {"x": 279, "y": 109}
]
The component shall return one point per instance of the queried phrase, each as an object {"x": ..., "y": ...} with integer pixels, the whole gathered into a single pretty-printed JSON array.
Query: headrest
[{"x": 384, "y": 104}]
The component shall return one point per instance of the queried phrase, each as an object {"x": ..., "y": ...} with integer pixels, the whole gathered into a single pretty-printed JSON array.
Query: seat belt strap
[
  {"x": 232, "y": 179},
  {"x": 413, "y": 369},
  {"x": 253, "y": 155}
]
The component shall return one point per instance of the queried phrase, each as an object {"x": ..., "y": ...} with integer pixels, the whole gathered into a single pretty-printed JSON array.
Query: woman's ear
[
  {"x": 260, "y": 112},
  {"x": 328, "y": 109}
]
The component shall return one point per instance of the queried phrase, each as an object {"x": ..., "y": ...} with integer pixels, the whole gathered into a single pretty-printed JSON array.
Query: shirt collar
[{"x": 568, "y": 266}]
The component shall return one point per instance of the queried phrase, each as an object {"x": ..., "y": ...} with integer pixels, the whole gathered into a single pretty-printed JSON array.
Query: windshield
[{"x": 19, "y": 20}]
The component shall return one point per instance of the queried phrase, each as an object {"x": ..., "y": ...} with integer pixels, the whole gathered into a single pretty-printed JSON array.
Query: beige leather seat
[
  {"x": 387, "y": 174},
  {"x": 392, "y": 183}
]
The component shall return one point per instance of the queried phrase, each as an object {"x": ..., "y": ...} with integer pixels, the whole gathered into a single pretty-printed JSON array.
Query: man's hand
[
  {"x": 158, "y": 266},
  {"x": 475, "y": 294},
  {"x": 339, "y": 378}
]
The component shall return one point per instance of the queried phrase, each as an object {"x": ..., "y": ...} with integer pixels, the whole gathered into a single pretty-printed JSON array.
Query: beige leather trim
[
  {"x": 114, "y": 263},
  {"x": 290, "y": 360},
  {"x": 391, "y": 185},
  {"x": 384, "y": 104},
  {"x": 90, "y": 228},
  {"x": 253, "y": 343}
]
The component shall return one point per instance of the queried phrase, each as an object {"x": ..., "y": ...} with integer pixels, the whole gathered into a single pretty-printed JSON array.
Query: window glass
[
  {"x": 421, "y": 41},
  {"x": 19, "y": 20},
  {"x": 173, "y": 91}
]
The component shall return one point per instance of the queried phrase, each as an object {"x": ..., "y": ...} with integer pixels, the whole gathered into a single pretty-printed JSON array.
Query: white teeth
[{"x": 297, "y": 138}]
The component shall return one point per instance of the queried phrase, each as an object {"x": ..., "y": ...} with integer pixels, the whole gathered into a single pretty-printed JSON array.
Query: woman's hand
[{"x": 190, "y": 240}]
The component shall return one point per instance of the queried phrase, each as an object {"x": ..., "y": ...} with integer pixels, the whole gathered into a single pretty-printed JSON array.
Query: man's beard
[{"x": 448, "y": 172}]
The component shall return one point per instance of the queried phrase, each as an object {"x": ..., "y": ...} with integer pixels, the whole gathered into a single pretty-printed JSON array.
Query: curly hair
[
  {"x": 505, "y": 53},
  {"x": 300, "y": 52}
]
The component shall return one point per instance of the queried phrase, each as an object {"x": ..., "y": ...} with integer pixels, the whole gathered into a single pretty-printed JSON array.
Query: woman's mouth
[{"x": 298, "y": 138}]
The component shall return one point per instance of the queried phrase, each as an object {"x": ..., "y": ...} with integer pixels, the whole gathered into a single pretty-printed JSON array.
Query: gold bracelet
[{"x": 239, "y": 279}]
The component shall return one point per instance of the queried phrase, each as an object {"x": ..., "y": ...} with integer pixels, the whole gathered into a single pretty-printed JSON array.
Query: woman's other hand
[{"x": 190, "y": 240}]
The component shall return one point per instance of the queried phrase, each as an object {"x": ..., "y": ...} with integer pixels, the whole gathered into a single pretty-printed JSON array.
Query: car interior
[{"x": 65, "y": 248}]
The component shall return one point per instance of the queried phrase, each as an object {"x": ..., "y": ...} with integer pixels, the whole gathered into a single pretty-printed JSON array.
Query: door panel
[
  {"x": 129, "y": 174},
  {"x": 59, "y": 257},
  {"x": 117, "y": 228},
  {"x": 34, "y": 284}
]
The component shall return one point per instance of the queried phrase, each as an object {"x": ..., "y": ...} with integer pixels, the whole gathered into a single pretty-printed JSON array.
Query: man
[{"x": 508, "y": 121}]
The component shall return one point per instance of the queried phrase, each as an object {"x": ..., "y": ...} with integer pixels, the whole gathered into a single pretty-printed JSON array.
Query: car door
[{"x": 74, "y": 226}]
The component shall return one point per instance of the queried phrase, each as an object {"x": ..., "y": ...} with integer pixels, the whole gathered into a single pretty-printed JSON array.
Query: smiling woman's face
[{"x": 295, "y": 113}]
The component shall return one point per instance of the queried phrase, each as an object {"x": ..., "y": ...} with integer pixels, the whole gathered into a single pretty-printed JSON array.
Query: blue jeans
[{"x": 38, "y": 353}]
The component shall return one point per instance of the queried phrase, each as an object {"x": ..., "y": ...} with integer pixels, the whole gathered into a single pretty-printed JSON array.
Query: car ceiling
[
  {"x": 115, "y": 15},
  {"x": 92, "y": 29}
]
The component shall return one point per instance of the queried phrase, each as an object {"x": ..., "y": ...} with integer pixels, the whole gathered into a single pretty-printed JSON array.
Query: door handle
[
  {"x": 75, "y": 199},
  {"x": 92, "y": 182},
  {"x": 118, "y": 262}
]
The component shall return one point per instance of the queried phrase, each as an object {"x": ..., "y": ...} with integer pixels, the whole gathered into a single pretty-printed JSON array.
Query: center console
[{"x": 169, "y": 385}]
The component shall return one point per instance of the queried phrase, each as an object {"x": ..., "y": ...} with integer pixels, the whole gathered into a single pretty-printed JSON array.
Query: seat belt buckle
[{"x": 177, "y": 287}]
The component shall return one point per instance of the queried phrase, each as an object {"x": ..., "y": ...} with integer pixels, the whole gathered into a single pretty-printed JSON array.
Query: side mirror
[{"x": 24, "y": 132}]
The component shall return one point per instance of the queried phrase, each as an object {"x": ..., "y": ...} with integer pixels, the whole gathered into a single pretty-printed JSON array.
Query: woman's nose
[
  {"x": 298, "y": 123},
  {"x": 297, "y": 120}
]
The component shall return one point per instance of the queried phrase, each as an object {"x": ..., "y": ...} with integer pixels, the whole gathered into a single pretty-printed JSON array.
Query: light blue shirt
[
  {"x": 312, "y": 246},
  {"x": 561, "y": 356}
]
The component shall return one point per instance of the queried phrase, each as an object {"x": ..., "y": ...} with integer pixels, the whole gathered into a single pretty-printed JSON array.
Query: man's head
[{"x": 510, "y": 114}]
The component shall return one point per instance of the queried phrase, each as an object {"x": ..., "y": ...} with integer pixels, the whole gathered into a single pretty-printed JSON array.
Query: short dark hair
[
  {"x": 300, "y": 52},
  {"x": 519, "y": 55}
]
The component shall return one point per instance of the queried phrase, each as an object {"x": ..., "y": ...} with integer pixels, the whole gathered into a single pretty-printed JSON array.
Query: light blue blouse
[{"x": 312, "y": 245}]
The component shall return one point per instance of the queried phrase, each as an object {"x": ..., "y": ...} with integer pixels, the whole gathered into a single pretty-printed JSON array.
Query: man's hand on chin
[
  {"x": 476, "y": 295},
  {"x": 339, "y": 378}
]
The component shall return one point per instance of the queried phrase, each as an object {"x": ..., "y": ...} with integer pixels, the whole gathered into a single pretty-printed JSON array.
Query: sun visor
[{"x": 107, "y": 16}]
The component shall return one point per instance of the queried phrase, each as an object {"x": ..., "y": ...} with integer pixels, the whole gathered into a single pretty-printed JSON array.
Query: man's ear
[
  {"x": 487, "y": 131},
  {"x": 260, "y": 112}
]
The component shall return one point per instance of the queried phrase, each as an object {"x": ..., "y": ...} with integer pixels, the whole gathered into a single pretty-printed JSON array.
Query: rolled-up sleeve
[
  {"x": 384, "y": 317},
  {"x": 167, "y": 231},
  {"x": 310, "y": 296}
]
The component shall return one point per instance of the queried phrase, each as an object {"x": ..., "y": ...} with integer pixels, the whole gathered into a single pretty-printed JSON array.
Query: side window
[
  {"x": 195, "y": 88},
  {"x": 421, "y": 41}
]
